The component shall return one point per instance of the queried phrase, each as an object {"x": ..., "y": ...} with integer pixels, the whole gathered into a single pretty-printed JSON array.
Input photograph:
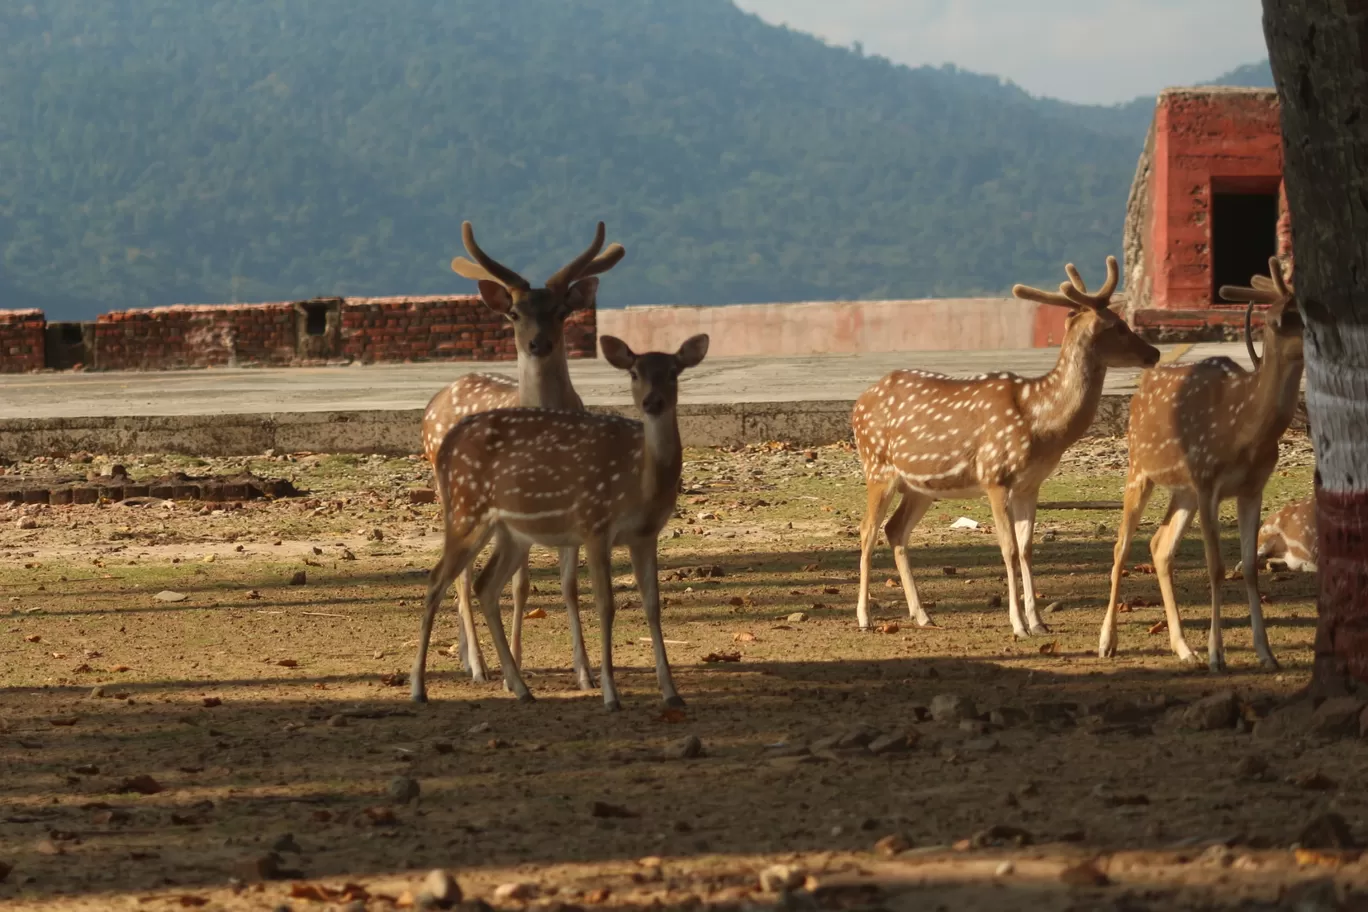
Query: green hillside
[{"x": 161, "y": 151}]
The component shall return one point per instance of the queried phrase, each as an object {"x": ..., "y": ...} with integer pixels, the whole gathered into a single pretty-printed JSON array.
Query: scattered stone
[
  {"x": 443, "y": 747},
  {"x": 377, "y": 535},
  {"x": 1338, "y": 717},
  {"x": 26, "y": 522},
  {"x": 1285, "y": 724},
  {"x": 403, "y": 789},
  {"x": 168, "y": 595},
  {"x": 337, "y": 721},
  {"x": 286, "y": 843},
  {"x": 1004, "y": 869},
  {"x": 515, "y": 892},
  {"x": 892, "y": 844},
  {"x": 347, "y": 555},
  {"x": 262, "y": 867},
  {"x": 422, "y": 496},
  {"x": 1213, "y": 713},
  {"x": 442, "y": 889},
  {"x": 686, "y": 748},
  {"x": 1084, "y": 874},
  {"x": 781, "y": 878},
  {"x": 893, "y": 743},
  {"x": 994, "y": 601},
  {"x": 299, "y": 578},
  {"x": 952, "y": 708},
  {"x": 1327, "y": 831},
  {"x": 797, "y": 617},
  {"x": 1252, "y": 767},
  {"x": 1000, "y": 836}
]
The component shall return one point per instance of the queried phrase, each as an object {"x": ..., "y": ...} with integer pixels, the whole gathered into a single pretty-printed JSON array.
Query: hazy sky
[{"x": 1098, "y": 51}]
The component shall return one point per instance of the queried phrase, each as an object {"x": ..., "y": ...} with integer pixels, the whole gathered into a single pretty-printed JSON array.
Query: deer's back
[
  {"x": 468, "y": 395},
  {"x": 942, "y": 434}
]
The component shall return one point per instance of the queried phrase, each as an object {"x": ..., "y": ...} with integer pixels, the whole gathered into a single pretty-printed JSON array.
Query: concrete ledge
[{"x": 395, "y": 431}]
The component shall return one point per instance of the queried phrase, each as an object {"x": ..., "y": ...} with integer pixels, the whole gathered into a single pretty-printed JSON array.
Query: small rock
[
  {"x": 1006, "y": 867},
  {"x": 26, "y": 522},
  {"x": 1102, "y": 529},
  {"x": 443, "y": 889},
  {"x": 892, "y": 844},
  {"x": 378, "y": 654},
  {"x": 515, "y": 892},
  {"x": 168, "y": 595},
  {"x": 1217, "y": 856},
  {"x": 1000, "y": 836},
  {"x": 299, "y": 578},
  {"x": 1084, "y": 874},
  {"x": 686, "y": 748},
  {"x": 97, "y": 693},
  {"x": 994, "y": 601},
  {"x": 1053, "y": 607},
  {"x": 1285, "y": 724},
  {"x": 894, "y": 743},
  {"x": 262, "y": 867},
  {"x": 347, "y": 555},
  {"x": 1252, "y": 767},
  {"x": 1327, "y": 831},
  {"x": 952, "y": 708},
  {"x": 1213, "y": 713},
  {"x": 1049, "y": 535},
  {"x": 781, "y": 878},
  {"x": 974, "y": 727},
  {"x": 287, "y": 843},
  {"x": 403, "y": 789},
  {"x": 337, "y": 721},
  {"x": 443, "y": 747},
  {"x": 797, "y": 617},
  {"x": 1338, "y": 717}
]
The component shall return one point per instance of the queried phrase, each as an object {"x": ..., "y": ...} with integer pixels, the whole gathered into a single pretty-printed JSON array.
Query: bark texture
[{"x": 1319, "y": 53}]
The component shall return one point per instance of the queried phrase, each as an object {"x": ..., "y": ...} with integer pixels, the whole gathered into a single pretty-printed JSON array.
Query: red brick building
[{"x": 1206, "y": 209}]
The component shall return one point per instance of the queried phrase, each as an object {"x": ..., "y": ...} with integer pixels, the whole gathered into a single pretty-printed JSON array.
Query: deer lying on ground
[
  {"x": 929, "y": 437},
  {"x": 1208, "y": 432},
  {"x": 565, "y": 479},
  {"x": 538, "y": 316},
  {"x": 1289, "y": 537}
]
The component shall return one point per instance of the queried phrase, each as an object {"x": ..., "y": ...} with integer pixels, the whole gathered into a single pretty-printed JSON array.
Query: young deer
[
  {"x": 538, "y": 316},
  {"x": 1208, "y": 432},
  {"x": 1289, "y": 536},
  {"x": 930, "y": 437},
  {"x": 565, "y": 479}
]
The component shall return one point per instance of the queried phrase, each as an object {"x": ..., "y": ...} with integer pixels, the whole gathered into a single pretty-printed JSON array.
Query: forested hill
[{"x": 162, "y": 151}]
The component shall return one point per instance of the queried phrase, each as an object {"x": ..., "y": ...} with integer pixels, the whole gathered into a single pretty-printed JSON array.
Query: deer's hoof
[
  {"x": 1038, "y": 629},
  {"x": 675, "y": 702},
  {"x": 418, "y": 696},
  {"x": 526, "y": 697},
  {"x": 613, "y": 706},
  {"x": 1217, "y": 665},
  {"x": 1269, "y": 663}
]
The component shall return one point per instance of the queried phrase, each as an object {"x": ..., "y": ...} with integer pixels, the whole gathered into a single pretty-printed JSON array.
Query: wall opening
[
  {"x": 1244, "y": 234},
  {"x": 66, "y": 345},
  {"x": 316, "y": 318},
  {"x": 318, "y": 327}
]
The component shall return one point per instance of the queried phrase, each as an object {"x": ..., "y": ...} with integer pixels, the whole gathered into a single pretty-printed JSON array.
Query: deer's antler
[
  {"x": 588, "y": 263},
  {"x": 1271, "y": 289},
  {"x": 485, "y": 267},
  {"x": 1074, "y": 293}
]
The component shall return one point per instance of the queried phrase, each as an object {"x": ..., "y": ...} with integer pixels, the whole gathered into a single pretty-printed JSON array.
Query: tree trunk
[{"x": 1319, "y": 53}]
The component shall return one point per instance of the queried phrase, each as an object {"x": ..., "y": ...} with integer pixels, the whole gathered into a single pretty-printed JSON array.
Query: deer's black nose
[
  {"x": 539, "y": 347},
  {"x": 653, "y": 404}
]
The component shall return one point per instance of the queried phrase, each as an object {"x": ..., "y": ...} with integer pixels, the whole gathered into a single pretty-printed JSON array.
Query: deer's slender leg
[
  {"x": 508, "y": 554},
  {"x": 569, "y": 567},
  {"x": 1207, "y": 507},
  {"x": 1138, "y": 491},
  {"x": 598, "y": 557},
  {"x": 456, "y": 556},
  {"x": 644, "y": 566},
  {"x": 522, "y": 586},
  {"x": 878, "y": 492},
  {"x": 1002, "y": 525},
  {"x": 1163, "y": 547},
  {"x": 900, "y": 525},
  {"x": 1249, "y": 508},
  {"x": 472, "y": 659},
  {"x": 1023, "y": 507}
]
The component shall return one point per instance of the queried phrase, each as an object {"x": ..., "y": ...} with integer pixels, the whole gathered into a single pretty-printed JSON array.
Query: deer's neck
[
  {"x": 662, "y": 461},
  {"x": 545, "y": 383},
  {"x": 1277, "y": 386},
  {"x": 1064, "y": 402}
]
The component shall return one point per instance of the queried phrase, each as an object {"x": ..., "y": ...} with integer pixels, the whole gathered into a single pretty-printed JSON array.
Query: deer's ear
[
  {"x": 617, "y": 353},
  {"x": 692, "y": 351},
  {"x": 582, "y": 295},
  {"x": 496, "y": 297}
]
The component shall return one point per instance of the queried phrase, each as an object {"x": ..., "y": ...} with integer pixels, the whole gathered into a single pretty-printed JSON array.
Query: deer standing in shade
[
  {"x": 1208, "y": 432},
  {"x": 930, "y": 437},
  {"x": 565, "y": 479},
  {"x": 538, "y": 317}
]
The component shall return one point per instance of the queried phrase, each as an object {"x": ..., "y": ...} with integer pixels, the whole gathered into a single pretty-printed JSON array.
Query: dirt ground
[{"x": 186, "y": 723}]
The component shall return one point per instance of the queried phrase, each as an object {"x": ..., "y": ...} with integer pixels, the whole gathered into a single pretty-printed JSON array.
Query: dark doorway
[
  {"x": 68, "y": 344},
  {"x": 1244, "y": 234},
  {"x": 316, "y": 318}
]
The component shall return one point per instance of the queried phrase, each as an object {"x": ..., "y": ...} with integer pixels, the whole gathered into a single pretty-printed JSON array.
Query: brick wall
[
  {"x": 167, "y": 338},
  {"x": 441, "y": 328},
  {"x": 21, "y": 340}
]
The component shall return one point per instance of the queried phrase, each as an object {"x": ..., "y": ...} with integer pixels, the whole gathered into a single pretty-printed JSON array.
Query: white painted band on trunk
[{"x": 1337, "y": 404}]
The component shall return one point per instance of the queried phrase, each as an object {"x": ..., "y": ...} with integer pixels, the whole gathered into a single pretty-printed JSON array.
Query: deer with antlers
[
  {"x": 538, "y": 318},
  {"x": 1209, "y": 432},
  {"x": 565, "y": 479},
  {"x": 929, "y": 437}
]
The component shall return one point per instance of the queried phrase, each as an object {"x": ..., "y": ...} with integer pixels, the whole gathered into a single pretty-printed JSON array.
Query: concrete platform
[{"x": 725, "y": 401}]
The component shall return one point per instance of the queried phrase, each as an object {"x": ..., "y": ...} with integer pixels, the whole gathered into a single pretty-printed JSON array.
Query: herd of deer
[{"x": 521, "y": 462}]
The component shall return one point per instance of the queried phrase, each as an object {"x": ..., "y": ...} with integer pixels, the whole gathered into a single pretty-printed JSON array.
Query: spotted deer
[
  {"x": 538, "y": 317},
  {"x": 1289, "y": 537},
  {"x": 1208, "y": 432},
  {"x": 565, "y": 479},
  {"x": 929, "y": 437}
]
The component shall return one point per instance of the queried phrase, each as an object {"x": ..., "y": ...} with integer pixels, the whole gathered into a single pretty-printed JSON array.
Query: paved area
[{"x": 396, "y": 387}]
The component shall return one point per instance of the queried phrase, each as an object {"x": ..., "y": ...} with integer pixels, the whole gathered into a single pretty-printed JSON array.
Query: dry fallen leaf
[
  {"x": 33, "y": 638},
  {"x": 536, "y": 614},
  {"x": 744, "y": 636},
  {"x": 888, "y": 628},
  {"x": 1308, "y": 857},
  {"x": 1050, "y": 648},
  {"x": 1158, "y": 627},
  {"x": 722, "y": 657},
  {"x": 831, "y": 590},
  {"x": 188, "y": 900}
]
